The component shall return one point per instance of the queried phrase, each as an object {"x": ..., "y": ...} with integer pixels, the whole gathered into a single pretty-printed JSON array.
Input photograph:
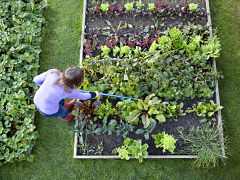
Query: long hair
[{"x": 71, "y": 78}]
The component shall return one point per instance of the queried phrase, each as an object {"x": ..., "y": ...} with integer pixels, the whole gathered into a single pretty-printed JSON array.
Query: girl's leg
[
  {"x": 64, "y": 114},
  {"x": 70, "y": 104}
]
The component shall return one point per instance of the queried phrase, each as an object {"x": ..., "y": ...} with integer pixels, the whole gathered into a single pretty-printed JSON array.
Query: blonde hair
[{"x": 71, "y": 78}]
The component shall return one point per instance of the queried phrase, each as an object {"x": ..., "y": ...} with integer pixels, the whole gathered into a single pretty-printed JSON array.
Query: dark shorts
[{"x": 62, "y": 112}]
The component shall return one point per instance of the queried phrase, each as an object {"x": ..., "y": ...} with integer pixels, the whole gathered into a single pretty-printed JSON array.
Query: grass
[{"x": 54, "y": 148}]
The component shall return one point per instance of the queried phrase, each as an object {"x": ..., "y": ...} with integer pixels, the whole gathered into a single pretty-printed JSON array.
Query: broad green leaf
[
  {"x": 140, "y": 131},
  {"x": 145, "y": 121},
  {"x": 161, "y": 118},
  {"x": 133, "y": 115}
]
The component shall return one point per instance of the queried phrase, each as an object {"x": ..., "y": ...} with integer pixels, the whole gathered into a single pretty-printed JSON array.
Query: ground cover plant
[
  {"x": 167, "y": 68},
  {"x": 21, "y": 31}
]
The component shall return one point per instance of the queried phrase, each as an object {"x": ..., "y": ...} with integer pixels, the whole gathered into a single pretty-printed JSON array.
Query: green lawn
[{"x": 54, "y": 148}]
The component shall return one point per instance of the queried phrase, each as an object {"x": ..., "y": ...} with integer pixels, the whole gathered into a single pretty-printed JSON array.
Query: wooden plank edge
[
  {"x": 220, "y": 128},
  {"x": 149, "y": 157},
  {"x": 82, "y": 33}
]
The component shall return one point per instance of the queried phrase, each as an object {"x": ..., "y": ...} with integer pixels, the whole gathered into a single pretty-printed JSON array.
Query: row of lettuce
[{"x": 21, "y": 35}]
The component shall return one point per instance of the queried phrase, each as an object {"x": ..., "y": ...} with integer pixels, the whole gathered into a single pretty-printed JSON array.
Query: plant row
[
  {"x": 177, "y": 66},
  {"x": 21, "y": 32},
  {"x": 138, "y": 8}
]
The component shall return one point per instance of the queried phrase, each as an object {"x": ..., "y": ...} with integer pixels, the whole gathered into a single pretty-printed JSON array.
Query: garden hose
[{"x": 103, "y": 94}]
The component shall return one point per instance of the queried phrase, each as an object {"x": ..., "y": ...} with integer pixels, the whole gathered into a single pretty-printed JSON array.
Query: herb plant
[{"x": 204, "y": 142}]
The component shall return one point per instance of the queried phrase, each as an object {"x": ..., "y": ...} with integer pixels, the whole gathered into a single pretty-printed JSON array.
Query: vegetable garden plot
[{"x": 171, "y": 75}]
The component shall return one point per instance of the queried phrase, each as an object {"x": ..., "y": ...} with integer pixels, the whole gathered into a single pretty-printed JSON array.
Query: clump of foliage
[
  {"x": 151, "y": 6},
  {"x": 153, "y": 47},
  {"x": 116, "y": 50},
  {"x": 145, "y": 109},
  {"x": 21, "y": 35},
  {"x": 105, "y": 50},
  {"x": 165, "y": 141},
  {"x": 147, "y": 131},
  {"x": 128, "y": 6},
  {"x": 205, "y": 109},
  {"x": 125, "y": 50},
  {"x": 104, "y": 7},
  {"x": 132, "y": 148},
  {"x": 105, "y": 110},
  {"x": 192, "y": 6},
  {"x": 139, "y": 5},
  {"x": 204, "y": 142},
  {"x": 87, "y": 108}
]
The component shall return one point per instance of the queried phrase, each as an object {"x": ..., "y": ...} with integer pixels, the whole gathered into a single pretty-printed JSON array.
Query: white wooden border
[
  {"x": 150, "y": 156},
  {"x": 216, "y": 81}
]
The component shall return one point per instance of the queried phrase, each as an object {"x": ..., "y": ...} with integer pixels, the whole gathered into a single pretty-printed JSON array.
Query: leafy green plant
[
  {"x": 116, "y": 50},
  {"x": 139, "y": 5},
  {"x": 145, "y": 109},
  {"x": 153, "y": 47},
  {"x": 165, "y": 141},
  {"x": 108, "y": 128},
  {"x": 87, "y": 109},
  {"x": 204, "y": 142},
  {"x": 124, "y": 128},
  {"x": 80, "y": 129},
  {"x": 177, "y": 38},
  {"x": 104, "y": 111},
  {"x": 151, "y": 6},
  {"x": 125, "y": 50},
  {"x": 192, "y": 6},
  {"x": 147, "y": 131},
  {"x": 137, "y": 51},
  {"x": 128, "y": 6},
  {"x": 138, "y": 150},
  {"x": 123, "y": 150},
  {"x": 132, "y": 147},
  {"x": 205, "y": 109},
  {"x": 105, "y": 50},
  {"x": 104, "y": 7}
]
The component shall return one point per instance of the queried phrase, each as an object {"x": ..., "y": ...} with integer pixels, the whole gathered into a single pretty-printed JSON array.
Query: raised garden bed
[{"x": 163, "y": 48}]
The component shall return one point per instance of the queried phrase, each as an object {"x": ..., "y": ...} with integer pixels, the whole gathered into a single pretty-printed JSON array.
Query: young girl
[{"x": 54, "y": 87}]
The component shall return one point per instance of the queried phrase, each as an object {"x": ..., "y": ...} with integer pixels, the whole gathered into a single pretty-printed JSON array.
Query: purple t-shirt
[{"x": 49, "y": 95}]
